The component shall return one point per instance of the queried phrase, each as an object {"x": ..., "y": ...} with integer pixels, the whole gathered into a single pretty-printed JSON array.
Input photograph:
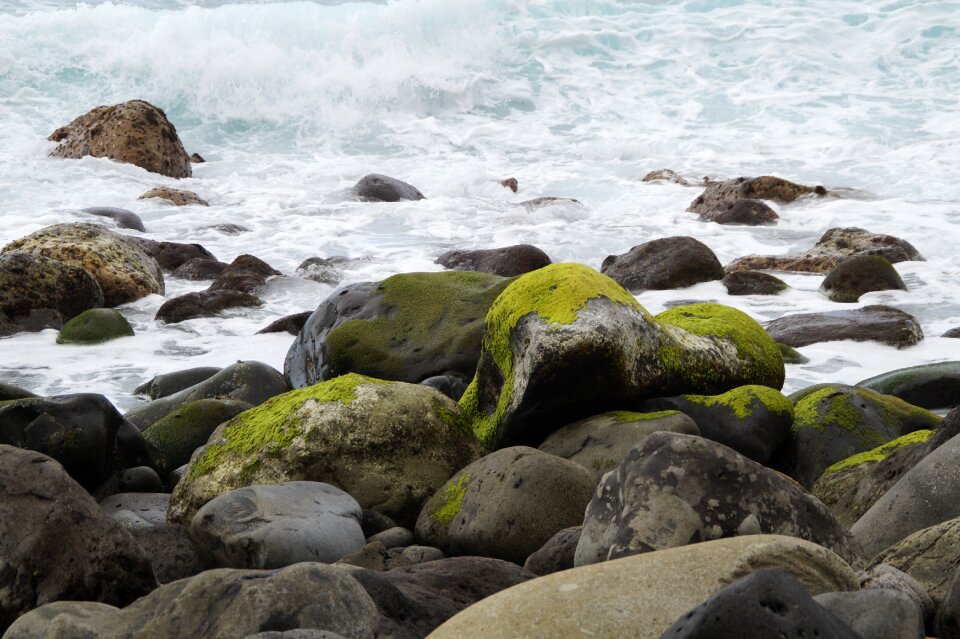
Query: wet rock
[
  {"x": 227, "y": 229},
  {"x": 876, "y": 323},
  {"x": 858, "y": 275},
  {"x": 876, "y": 613},
  {"x": 36, "y": 320},
  {"x": 747, "y": 212},
  {"x": 177, "y": 197},
  {"x": 170, "y": 383},
  {"x": 931, "y": 556},
  {"x": 135, "y": 132},
  {"x": 32, "y": 282},
  {"x": 186, "y": 429},
  {"x": 718, "y": 196},
  {"x": 679, "y": 489},
  {"x": 9, "y": 391},
  {"x": 199, "y": 268},
  {"x": 245, "y": 274},
  {"x": 953, "y": 332},
  {"x": 668, "y": 175},
  {"x": 541, "y": 202},
  {"x": 120, "y": 266},
  {"x": 196, "y": 158},
  {"x": 928, "y": 385},
  {"x": 792, "y": 355},
  {"x": 453, "y": 385},
  {"x": 753, "y": 283},
  {"x": 510, "y": 183},
  {"x": 323, "y": 270},
  {"x": 506, "y": 504},
  {"x": 124, "y": 219},
  {"x": 557, "y": 554},
  {"x": 95, "y": 326},
  {"x": 172, "y": 255},
  {"x": 382, "y": 188},
  {"x": 507, "y": 261},
  {"x": 292, "y": 324},
  {"x": 204, "y": 304},
  {"x": 670, "y": 262},
  {"x": 833, "y": 247}
]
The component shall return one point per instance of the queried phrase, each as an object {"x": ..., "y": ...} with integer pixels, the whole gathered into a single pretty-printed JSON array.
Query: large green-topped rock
[
  {"x": 390, "y": 445},
  {"x": 406, "y": 328},
  {"x": 183, "y": 431},
  {"x": 928, "y": 385},
  {"x": 95, "y": 326},
  {"x": 566, "y": 342}
]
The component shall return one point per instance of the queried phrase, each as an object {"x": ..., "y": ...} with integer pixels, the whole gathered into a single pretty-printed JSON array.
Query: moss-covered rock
[
  {"x": 792, "y": 355},
  {"x": 183, "y": 431},
  {"x": 858, "y": 275},
  {"x": 29, "y": 282},
  {"x": 833, "y": 422},
  {"x": 406, "y": 328},
  {"x": 389, "y": 444},
  {"x": 565, "y": 342},
  {"x": 95, "y": 326},
  {"x": 928, "y": 385}
]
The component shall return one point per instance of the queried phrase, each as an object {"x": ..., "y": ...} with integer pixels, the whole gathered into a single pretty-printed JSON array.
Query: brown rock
[
  {"x": 29, "y": 282},
  {"x": 177, "y": 197},
  {"x": 666, "y": 263},
  {"x": 720, "y": 195},
  {"x": 747, "y": 212},
  {"x": 172, "y": 255},
  {"x": 507, "y": 261},
  {"x": 245, "y": 274},
  {"x": 510, "y": 183},
  {"x": 877, "y": 323},
  {"x": 203, "y": 304}
]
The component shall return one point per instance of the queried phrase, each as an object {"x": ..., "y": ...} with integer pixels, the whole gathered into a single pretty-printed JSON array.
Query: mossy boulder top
[
  {"x": 95, "y": 326},
  {"x": 390, "y": 445},
  {"x": 565, "y": 342},
  {"x": 124, "y": 271},
  {"x": 406, "y": 328},
  {"x": 135, "y": 132}
]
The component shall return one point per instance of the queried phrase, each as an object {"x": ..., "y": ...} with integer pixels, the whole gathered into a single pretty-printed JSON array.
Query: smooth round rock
[
  {"x": 382, "y": 188},
  {"x": 876, "y": 613},
  {"x": 931, "y": 386},
  {"x": 507, "y": 261},
  {"x": 124, "y": 219},
  {"x": 753, "y": 283},
  {"x": 31, "y": 282},
  {"x": 95, "y": 326},
  {"x": 877, "y": 323},
  {"x": 666, "y": 263}
]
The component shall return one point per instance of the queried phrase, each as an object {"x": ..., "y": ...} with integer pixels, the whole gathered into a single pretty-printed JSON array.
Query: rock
[
  {"x": 931, "y": 386},
  {"x": 177, "y": 197},
  {"x": 557, "y": 554},
  {"x": 412, "y": 556},
  {"x": 506, "y": 262},
  {"x": 925, "y": 496},
  {"x": 931, "y": 556},
  {"x": 136, "y": 510},
  {"x": 877, "y": 323},
  {"x": 9, "y": 391},
  {"x": 95, "y": 326},
  {"x": 186, "y": 429},
  {"x": 218, "y": 604},
  {"x": 123, "y": 270},
  {"x": 125, "y": 219},
  {"x": 250, "y": 382},
  {"x": 373, "y": 556},
  {"x": 953, "y": 332},
  {"x": 36, "y": 320},
  {"x": 753, "y": 283},
  {"x": 374, "y": 522},
  {"x": 406, "y": 328},
  {"x": 245, "y": 274},
  {"x": 747, "y": 212},
  {"x": 833, "y": 421},
  {"x": 56, "y": 543},
  {"x": 135, "y": 132},
  {"x": 719, "y": 196},
  {"x": 296, "y": 634},
  {"x": 226, "y": 229},
  {"x": 791, "y": 355},
  {"x": 832, "y": 248},
  {"x": 541, "y": 202},
  {"x": 32, "y": 282},
  {"x": 666, "y": 175},
  {"x": 768, "y": 603},
  {"x": 565, "y": 342},
  {"x": 678, "y": 489},
  {"x": 858, "y": 275},
  {"x": 199, "y": 268},
  {"x": 396, "y": 537},
  {"x": 381, "y": 188},
  {"x": 640, "y": 596},
  {"x": 196, "y": 158},
  {"x": 172, "y": 255},
  {"x": 389, "y": 445},
  {"x": 884, "y": 577},
  {"x": 453, "y": 385},
  {"x": 292, "y": 324},
  {"x": 752, "y": 420},
  {"x": 510, "y": 183},
  {"x": 278, "y": 525},
  {"x": 84, "y": 432},
  {"x": 947, "y": 624},
  {"x": 204, "y": 304},
  {"x": 601, "y": 443},
  {"x": 139, "y": 479},
  {"x": 170, "y": 383},
  {"x": 876, "y": 613},
  {"x": 506, "y": 504},
  {"x": 171, "y": 551},
  {"x": 323, "y": 270},
  {"x": 670, "y": 262}
]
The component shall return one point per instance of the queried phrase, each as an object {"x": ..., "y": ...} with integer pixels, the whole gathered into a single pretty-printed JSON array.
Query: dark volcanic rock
[
  {"x": 170, "y": 383},
  {"x": 452, "y": 384},
  {"x": 753, "y": 283},
  {"x": 199, "y": 268},
  {"x": 35, "y": 320},
  {"x": 953, "y": 332},
  {"x": 670, "y": 262},
  {"x": 557, "y": 554},
  {"x": 177, "y": 197},
  {"x": 171, "y": 255},
  {"x": 382, "y": 188},
  {"x": 720, "y": 195},
  {"x": 928, "y": 385},
  {"x": 877, "y": 323},
  {"x": 245, "y": 274},
  {"x": 858, "y": 275},
  {"x": 135, "y": 132},
  {"x": 204, "y": 304},
  {"x": 748, "y": 212},
  {"x": 125, "y": 219},
  {"x": 33, "y": 282},
  {"x": 292, "y": 324},
  {"x": 507, "y": 261}
]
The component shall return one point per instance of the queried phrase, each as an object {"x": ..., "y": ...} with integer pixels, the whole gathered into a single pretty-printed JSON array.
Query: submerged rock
[
  {"x": 382, "y": 188},
  {"x": 246, "y": 274},
  {"x": 506, "y": 262},
  {"x": 292, "y": 324},
  {"x": 670, "y": 262},
  {"x": 877, "y": 323},
  {"x": 322, "y": 270},
  {"x": 199, "y": 268},
  {"x": 125, "y": 219},
  {"x": 858, "y": 275},
  {"x": 170, "y": 383},
  {"x": 177, "y": 197},
  {"x": 747, "y": 212},
  {"x": 95, "y": 326}
]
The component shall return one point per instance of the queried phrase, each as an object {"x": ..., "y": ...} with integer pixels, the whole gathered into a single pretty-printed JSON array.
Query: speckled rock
[
  {"x": 199, "y": 268},
  {"x": 719, "y": 196},
  {"x": 746, "y": 212},
  {"x": 876, "y": 613},
  {"x": 177, "y": 197},
  {"x": 670, "y": 262},
  {"x": 877, "y": 323},
  {"x": 382, "y": 188},
  {"x": 506, "y": 262},
  {"x": 886, "y": 577},
  {"x": 246, "y": 273},
  {"x": 931, "y": 556}
]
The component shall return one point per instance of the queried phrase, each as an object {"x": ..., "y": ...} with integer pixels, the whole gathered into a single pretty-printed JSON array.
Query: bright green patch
[
  {"x": 623, "y": 416},
  {"x": 881, "y": 452},
  {"x": 95, "y": 326},
  {"x": 604, "y": 464},
  {"x": 745, "y": 399},
  {"x": 452, "y": 501}
]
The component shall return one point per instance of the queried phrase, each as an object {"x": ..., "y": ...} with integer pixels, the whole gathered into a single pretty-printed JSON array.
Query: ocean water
[{"x": 292, "y": 102}]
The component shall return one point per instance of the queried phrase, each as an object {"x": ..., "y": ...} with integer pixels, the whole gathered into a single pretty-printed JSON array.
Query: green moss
[
  {"x": 452, "y": 419},
  {"x": 828, "y": 406},
  {"x": 604, "y": 464},
  {"x": 95, "y": 326},
  {"x": 791, "y": 355},
  {"x": 556, "y": 294},
  {"x": 745, "y": 399},
  {"x": 452, "y": 501},
  {"x": 824, "y": 404},
  {"x": 274, "y": 424},
  {"x": 623, "y": 416},
  {"x": 881, "y": 452}
]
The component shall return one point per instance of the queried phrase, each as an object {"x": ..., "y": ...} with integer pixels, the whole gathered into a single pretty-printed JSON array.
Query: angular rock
[
  {"x": 389, "y": 445},
  {"x": 120, "y": 266},
  {"x": 170, "y": 383},
  {"x": 557, "y": 554},
  {"x": 177, "y": 197},
  {"x": 172, "y": 255},
  {"x": 292, "y": 324},
  {"x": 186, "y": 429},
  {"x": 125, "y": 219},
  {"x": 753, "y": 283},
  {"x": 382, "y": 188},
  {"x": 876, "y": 323},
  {"x": 677, "y": 489},
  {"x": 373, "y": 556},
  {"x": 747, "y": 212},
  {"x": 506, "y": 262},
  {"x": 95, "y": 326},
  {"x": 204, "y": 304},
  {"x": 928, "y": 385},
  {"x": 135, "y": 132},
  {"x": 406, "y": 328},
  {"x": 323, "y": 270},
  {"x": 858, "y": 275},
  {"x": 670, "y": 262},
  {"x": 719, "y": 196},
  {"x": 29, "y": 282},
  {"x": 506, "y": 504},
  {"x": 876, "y": 613},
  {"x": 246, "y": 274},
  {"x": 199, "y": 268},
  {"x": 931, "y": 556}
]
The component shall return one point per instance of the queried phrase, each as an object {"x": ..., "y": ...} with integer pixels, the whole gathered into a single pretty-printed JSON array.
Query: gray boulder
[
  {"x": 858, "y": 275},
  {"x": 557, "y": 554},
  {"x": 931, "y": 556},
  {"x": 670, "y": 262},
  {"x": 877, "y": 323},
  {"x": 876, "y": 613},
  {"x": 123, "y": 218},
  {"x": 382, "y": 188},
  {"x": 204, "y": 304},
  {"x": 170, "y": 383},
  {"x": 886, "y": 577},
  {"x": 507, "y": 261},
  {"x": 928, "y": 385}
]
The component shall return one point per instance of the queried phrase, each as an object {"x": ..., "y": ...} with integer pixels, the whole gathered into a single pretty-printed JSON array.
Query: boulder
[
  {"x": 670, "y": 262},
  {"x": 95, "y": 326},
  {"x": 752, "y": 420},
  {"x": 669, "y": 175},
  {"x": 506, "y": 262},
  {"x": 199, "y": 268},
  {"x": 123, "y": 218},
  {"x": 931, "y": 556},
  {"x": 245, "y": 274},
  {"x": 292, "y": 324},
  {"x": 139, "y": 479},
  {"x": 323, "y": 270},
  {"x": 136, "y": 511},
  {"x": 557, "y": 554},
  {"x": 56, "y": 543},
  {"x": 747, "y": 212},
  {"x": 204, "y": 304},
  {"x": 601, "y": 443},
  {"x": 833, "y": 247},
  {"x": 833, "y": 421},
  {"x": 9, "y": 391},
  {"x": 677, "y": 489},
  {"x": 382, "y": 188},
  {"x": 953, "y": 332},
  {"x": 877, "y": 323},
  {"x": 134, "y": 132},
  {"x": 720, "y": 196},
  {"x": 35, "y": 320},
  {"x": 172, "y": 552},
  {"x": 390, "y": 445},
  {"x": 876, "y": 613},
  {"x": 170, "y": 383},
  {"x": 885, "y": 577},
  {"x": 120, "y": 266},
  {"x": 278, "y": 525},
  {"x": 177, "y": 197},
  {"x": 396, "y": 537},
  {"x": 642, "y": 596},
  {"x": 861, "y": 274},
  {"x": 792, "y": 355},
  {"x": 506, "y": 504},
  {"x": 753, "y": 283},
  {"x": 565, "y": 342},
  {"x": 406, "y": 328},
  {"x": 453, "y": 384},
  {"x": 947, "y": 625},
  {"x": 931, "y": 386},
  {"x": 186, "y": 429},
  {"x": 172, "y": 255}
]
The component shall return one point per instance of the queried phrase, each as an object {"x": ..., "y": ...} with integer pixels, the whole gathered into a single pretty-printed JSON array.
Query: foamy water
[{"x": 291, "y": 102}]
